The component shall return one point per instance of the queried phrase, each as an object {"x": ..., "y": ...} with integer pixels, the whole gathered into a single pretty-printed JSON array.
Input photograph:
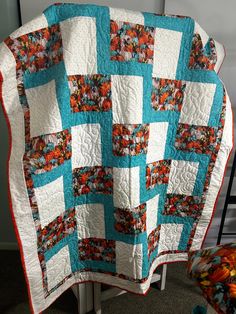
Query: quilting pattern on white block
[
  {"x": 90, "y": 221},
  {"x": 157, "y": 141},
  {"x": 126, "y": 187},
  {"x": 129, "y": 259},
  {"x": 44, "y": 107},
  {"x": 197, "y": 103},
  {"x": 86, "y": 145},
  {"x": 50, "y": 200},
  {"x": 182, "y": 177},
  {"x": 170, "y": 235},
  {"x": 127, "y": 98},
  {"x": 166, "y": 53},
  {"x": 151, "y": 214},
  {"x": 79, "y": 45},
  {"x": 126, "y": 16},
  {"x": 58, "y": 267}
]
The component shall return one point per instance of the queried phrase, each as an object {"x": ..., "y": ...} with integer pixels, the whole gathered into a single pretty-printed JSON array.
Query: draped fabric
[{"x": 120, "y": 134}]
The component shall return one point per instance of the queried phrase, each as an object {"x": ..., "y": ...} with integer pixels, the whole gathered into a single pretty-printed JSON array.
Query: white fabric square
[
  {"x": 170, "y": 235},
  {"x": 182, "y": 177},
  {"x": 197, "y": 103},
  {"x": 126, "y": 16},
  {"x": 58, "y": 267},
  {"x": 202, "y": 33},
  {"x": 86, "y": 145},
  {"x": 166, "y": 53},
  {"x": 37, "y": 23},
  {"x": 127, "y": 98},
  {"x": 90, "y": 221},
  {"x": 126, "y": 186},
  {"x": 151, "y": 214},
  {"x": 220, "y": 52},
  {"x": 43, "y": 106},
  {"x": 157, "y": 141},
  {"x": 79, "y": 45},
  {"x": 50, "y": 200},
  {"x": 129, "y": 259}
]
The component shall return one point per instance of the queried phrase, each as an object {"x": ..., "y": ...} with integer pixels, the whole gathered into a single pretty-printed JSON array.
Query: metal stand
[
  {"x": 100, "y": 295},
  {"x": 230, "y": 199},
  {"x": 84, "y": 295}
]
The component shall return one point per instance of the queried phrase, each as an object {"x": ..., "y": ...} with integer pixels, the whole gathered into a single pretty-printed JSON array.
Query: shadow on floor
[{"x": 179, "y": 297}]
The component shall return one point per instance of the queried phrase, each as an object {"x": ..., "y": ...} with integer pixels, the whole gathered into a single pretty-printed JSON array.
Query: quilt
[{"x": 120, "y": 134}]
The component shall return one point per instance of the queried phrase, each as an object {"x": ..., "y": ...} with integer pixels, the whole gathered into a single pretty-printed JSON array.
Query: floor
[{"x": 179, "y": 297}]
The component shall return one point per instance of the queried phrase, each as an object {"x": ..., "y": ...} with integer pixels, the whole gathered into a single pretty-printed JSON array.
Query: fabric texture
[
  {"x": 214, "y": 270},
  {"x": 120, "y": 134}
]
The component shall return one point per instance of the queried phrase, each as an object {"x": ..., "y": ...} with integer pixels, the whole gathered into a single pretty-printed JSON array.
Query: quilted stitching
[{"x": 118, "y": 125}]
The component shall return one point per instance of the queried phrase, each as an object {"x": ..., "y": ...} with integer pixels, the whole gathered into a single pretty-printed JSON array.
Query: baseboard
[{"x": 9, "y": 246}]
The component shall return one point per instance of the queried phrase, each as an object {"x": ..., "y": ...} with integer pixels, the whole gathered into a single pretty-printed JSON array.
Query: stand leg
[
  {"x": 163, "y": 277},
  {"x": 84, "y": 297},
  {"x": 97, "y": 298}
]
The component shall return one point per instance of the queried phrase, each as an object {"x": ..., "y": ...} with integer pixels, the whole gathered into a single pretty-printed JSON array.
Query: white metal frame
[
  {"x": 84, "y": 295},
  {"x": 99, "y": 295},
  {"x": 90, "y": 296}
]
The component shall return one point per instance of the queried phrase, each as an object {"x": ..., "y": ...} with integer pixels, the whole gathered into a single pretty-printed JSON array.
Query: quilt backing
[{"x": 120, "y": 134}]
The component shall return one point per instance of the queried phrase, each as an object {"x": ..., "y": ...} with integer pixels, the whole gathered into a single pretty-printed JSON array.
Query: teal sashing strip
[
  {"x": 49, "y": 176},
  {"x": 217, "y": 105},
  {"x": 68, "y": 186},
  {"x": 58, "y": 246}
]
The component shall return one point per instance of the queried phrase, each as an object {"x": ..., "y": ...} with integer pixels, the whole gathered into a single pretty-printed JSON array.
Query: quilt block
[{"x": 120, "y": 134}]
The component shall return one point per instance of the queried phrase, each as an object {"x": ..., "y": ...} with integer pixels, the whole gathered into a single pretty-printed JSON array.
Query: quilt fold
[{"x": 120, "y": 134}]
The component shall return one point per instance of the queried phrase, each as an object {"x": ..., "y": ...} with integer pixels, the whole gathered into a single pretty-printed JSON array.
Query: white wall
[
  {"x": 31, "y": 8},
  {"x": 9, "y": 21}
]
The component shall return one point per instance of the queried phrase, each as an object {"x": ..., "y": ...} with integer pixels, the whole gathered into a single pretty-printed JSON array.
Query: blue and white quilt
[{"x": 120, "y": 134}]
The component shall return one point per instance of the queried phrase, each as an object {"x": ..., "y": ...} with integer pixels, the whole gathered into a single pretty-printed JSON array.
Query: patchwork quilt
[{"x": 120, "y": 134}]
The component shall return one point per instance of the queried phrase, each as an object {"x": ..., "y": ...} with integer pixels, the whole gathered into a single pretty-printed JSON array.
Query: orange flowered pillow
[{"x": 214, "y": 269}]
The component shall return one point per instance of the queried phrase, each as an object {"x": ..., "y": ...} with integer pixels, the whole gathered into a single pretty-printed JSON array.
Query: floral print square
[
  {"x": 157, "y": 173},
  {"x": 131, "y": 42},
  {"x": 95, "y": 249},
  {"x": 130, "y": 139},
  {"x": 90, "y": 92},
  {"x": 183, "y": 205},
  {"x": 96, "y": 179},
  {"x": 131, "y": 221},
  {"x": 167, "y": 94},
  {"x": 37, "y": 50},
  {"x": 202, "y": 58},
  {"x": 198, "y": 139},
  {"x": 153, "y": 240},
  {"x": 56, "y": 230},
  {"x": 48, "y": 151}
]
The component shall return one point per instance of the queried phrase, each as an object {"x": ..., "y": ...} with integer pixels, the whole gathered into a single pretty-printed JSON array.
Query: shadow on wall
[{"x": 9, "y": 21}]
